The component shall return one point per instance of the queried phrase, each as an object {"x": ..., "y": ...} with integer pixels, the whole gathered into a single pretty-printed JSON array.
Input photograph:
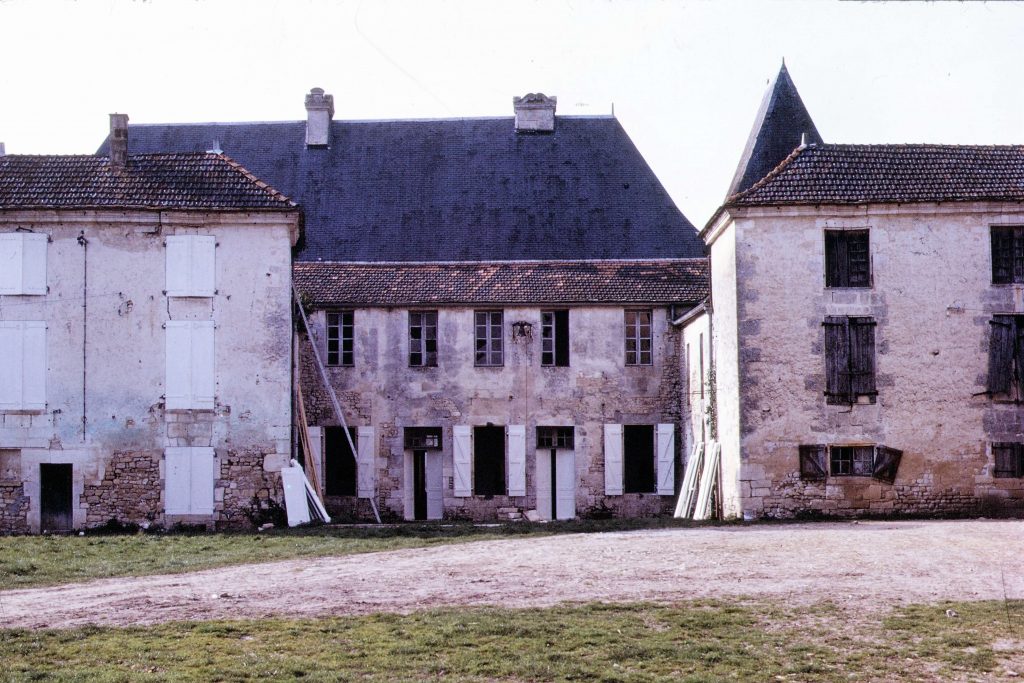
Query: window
[
  {"x": 849, "y": 359},
  {"x": 638, "y": 337},
  {"x": 554, "y": 336},
  {"x": 190, "y": 265},
  {"x": 1009, "y": 460},
  {"x": 818, "y": 461},
  {"x": 188, "y": 481},
  {"x": 488, "y": 337},
  {"x": 339, "y": 338},
  {"x": 847, "y": 258},
  {"x": 638, "y": 458},
  {"x": 1005, "y": 356},
  {"x": 339, "y": 461},
  {"x": 23, "y": 365},
  {"x": 489, "y": 461},
  {"x": 423, "y": 338},
  {"x": 423, "y": 438},
  {"x": 1007, "y": 255},
  {"x": 23, "y": 263},
  {"x": 189, "y": 379},
  {"x": 555, "y": 437}
]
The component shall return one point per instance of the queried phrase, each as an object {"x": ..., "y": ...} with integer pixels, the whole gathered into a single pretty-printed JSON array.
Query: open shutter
[
  {"x": 837, "y": 360},
  {"x": 836, "y": 260},
  {"x": 516, "y": 460},
  {"x": 887, "y": 462},
  {"x": 201, "y": 479},
  {"x": 862, "y": 357},
  {"x": 613, "y": 460},
  {"x": 434, "y": 475},
  {"x": 666, "y": 445},
  {"x": 33, "y": 268},
  {"x": 1000, "y": 353},
  {"x": 813, "y": 461},
  {"x": 33, "y": 366},
  {"x": 177, "y": 480},
  {"x": 177, "y": 265},
  {"x": 462, "y": 459},
  {"x": 203, "y": 249},
  {"x": 202, "y": 362},
  {"x": 10, "y": 263},
  {"x": 366, "y": 462},
  {"x": 11, "y": 364}
]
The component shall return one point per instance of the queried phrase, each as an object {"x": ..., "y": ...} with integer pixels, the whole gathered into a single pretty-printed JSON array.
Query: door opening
[
  {"x": 55, "y": 497},
  {"x": 419, "y": 478}
]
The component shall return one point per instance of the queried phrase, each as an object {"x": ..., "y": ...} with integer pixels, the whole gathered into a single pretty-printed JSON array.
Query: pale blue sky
[{"x": 685, "y": 77}]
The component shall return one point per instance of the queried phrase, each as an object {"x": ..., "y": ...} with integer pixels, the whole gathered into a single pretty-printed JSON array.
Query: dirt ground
[{"x": 871, "y": 565}]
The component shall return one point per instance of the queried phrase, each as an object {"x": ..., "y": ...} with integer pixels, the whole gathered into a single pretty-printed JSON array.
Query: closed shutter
[
  {"x": 33, "y": 269},
  {"x": 201, "y": 478},
  {"x": 434, "y": 475},
  {"x": 203, "y": 365},
  {"x": 666, "y": 446},
  {"x": 462, "y": 459},
  {"x": 516, "y": 460},
  {"x": 813, "y": 461},
  {"x": 10, "y": 263},
  {"x": 862, "y": 357},
  {"x": 366, "y": 463},
  {"x": 177, "y": 481},
  {"x": 837, "y": 360},
  {"x": 1000, "y": 353},
  {"x": 33, "y": 366},
  {"x": 887, "y": 462},
  {"x": 613, "y": 460},
  {"x": 11, "y": 373},
  {"x": 190, "y": 265},
  {"x": 177, "y": 265},
  {"x": 178, "y": 368}
]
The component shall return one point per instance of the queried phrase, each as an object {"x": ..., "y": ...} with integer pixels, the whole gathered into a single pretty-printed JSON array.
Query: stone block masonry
[
  {"x": 130, "y": 491},
  {"x": 13, "y": 508}
]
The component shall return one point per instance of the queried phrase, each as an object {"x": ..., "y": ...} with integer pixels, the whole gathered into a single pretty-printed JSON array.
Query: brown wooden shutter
[
  {"x": 813, "y": 461},
  {"x": 1000, "y": 353},
  {"x": 837, "y": 360},
  {"x": 887, "y": 462},
  {"x": 1018, "y": 253},
  {"x": 835, "y": 259},
  {"x": 1006, "y": 458},
  {"x": 862, "y": 357},
  {"x": 1002, "y": 255}
]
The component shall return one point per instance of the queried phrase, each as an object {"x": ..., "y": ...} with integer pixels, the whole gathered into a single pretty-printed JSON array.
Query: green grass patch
[
  {"x": 696, "y": 641},
  {"x": 27, "y": 561}
]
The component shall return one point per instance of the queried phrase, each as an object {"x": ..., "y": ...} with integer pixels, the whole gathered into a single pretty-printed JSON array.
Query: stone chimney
[
  {"x": 535, "y": 113},
  {"x": 118, "y": 140},
  {"x": 3, "y": 152},
  {"x": 319, "y": 112}
]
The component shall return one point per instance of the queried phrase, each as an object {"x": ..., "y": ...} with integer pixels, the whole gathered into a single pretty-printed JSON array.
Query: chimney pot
[
  {"x": 118, "y": 140},
  {"x": 535, "y": 113},
  {"x": 319, "y": 112}
]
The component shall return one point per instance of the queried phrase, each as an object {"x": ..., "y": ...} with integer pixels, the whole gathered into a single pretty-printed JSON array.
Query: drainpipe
[{"x": 85, "y": 321}]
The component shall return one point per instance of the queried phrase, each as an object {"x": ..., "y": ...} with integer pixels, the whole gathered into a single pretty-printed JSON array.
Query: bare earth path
[{"x": 870, "y": 564}]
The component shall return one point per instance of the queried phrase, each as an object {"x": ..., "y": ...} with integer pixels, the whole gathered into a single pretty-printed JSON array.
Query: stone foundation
[
  {"x": 243, "y": 479},
  {"x": 130, "y": 491},
  {"x": 13, "y": 508}
]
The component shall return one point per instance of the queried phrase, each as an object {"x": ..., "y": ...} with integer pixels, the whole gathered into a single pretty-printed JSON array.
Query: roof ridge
[{"x": 771, "y": 175}]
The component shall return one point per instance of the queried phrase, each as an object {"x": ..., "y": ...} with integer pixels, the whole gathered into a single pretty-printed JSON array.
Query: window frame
[
  {"x": 343, "y": 353},
  {"x": 423, "y": 438},
  {"x": 423, "y": 335},
  {"x": 1007, "y": 254},
  {"x": 1013, "y": 451},
  {"x": 489, "y": 331},
  {"x": 851, "y": 369},
  {"x": 848, "y": 258},
  {"x": 633, "y": 336},
  {"x": 554, "y": 338},
  {"x": 561, "y": 437},
  {"x": 818, "y": 462}
]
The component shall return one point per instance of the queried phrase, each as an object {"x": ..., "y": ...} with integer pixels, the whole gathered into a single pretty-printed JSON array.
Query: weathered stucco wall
[
  {"x": 597, "y": 388},
  {"x": 105, "y": 354},
  {"x": 932, "y": 299}
]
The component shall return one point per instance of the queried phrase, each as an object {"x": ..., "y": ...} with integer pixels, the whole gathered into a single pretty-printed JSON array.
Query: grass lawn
[
  {"x": 27, "y": 561},
  {"x": 697, "y": 641}
]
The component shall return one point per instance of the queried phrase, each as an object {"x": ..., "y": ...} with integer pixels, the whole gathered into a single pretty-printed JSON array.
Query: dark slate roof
[
  {"x": 669, "y": 281},
  {"x": 876, "y": 174},
  {"x": 780, "y": 122},
  {"x": 456, "y": 189},
  {"x": 207, "y": 182}
]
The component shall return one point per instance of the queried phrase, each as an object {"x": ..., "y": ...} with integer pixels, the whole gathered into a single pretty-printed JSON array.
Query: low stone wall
[
  {"x": 13, "y": 508},
  {"x": 130, "y": 491},
  {"x": 244, "y": 484}
]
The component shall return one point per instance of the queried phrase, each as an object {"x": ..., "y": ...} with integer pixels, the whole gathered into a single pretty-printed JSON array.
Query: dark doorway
[
  {"x": 638, "y": 458},
  {"x": 55, "y": 497},
  {"x": 419, "y": 476},
  {"x": 489, "y": 461},
  {"x": 339, "y": 462}
]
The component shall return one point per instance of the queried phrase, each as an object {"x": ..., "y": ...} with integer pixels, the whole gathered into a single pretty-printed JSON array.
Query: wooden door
[
  {"x": 435, "y": 485},
  {"x": 55, "y": 497}
]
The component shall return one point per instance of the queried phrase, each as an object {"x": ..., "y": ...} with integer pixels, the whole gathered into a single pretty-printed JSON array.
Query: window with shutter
[
  {"x": 666, "y": 446},
  {"x": 462, "y": 460},
  {"x": 1007, "y": 254},
  {"x": 613, "y": 460},
  {"x": 516, "y": 460},
  {"x": 887, "y": 462},
  {"x": 849, "y": 359},
  {"x": 813, "y": 461},
  {"x": 423, "y": 338},
  {"x": 189, "y": 478},
  {"x": 1008, "y": 460},
  {"x": 554, "y": 338},
  {"x": 489, "y": 461},
  {"x": 488, "y": 331},
  {"x": 23, "y": 365},
  {"x": 191, "y": 265},
  {"x": 1006, "y": 356},
  {"x": 190, "y": 379},
  {"x": 638, "y": 459},
  {"x": 23, "y": 263},
  {"x": 847, "y": 258}
]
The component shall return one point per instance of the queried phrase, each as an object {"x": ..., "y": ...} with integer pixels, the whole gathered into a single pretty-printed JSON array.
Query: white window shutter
[
  {"x": 178, "y": 266},
  {"x": 33, "y": 269},
  {"x": 516, "y": 460},
  {"x": 203, "y": 366},
  {"x": 33, "y": 366},
  {"x": 613, "y": 460},
  {"x": 201, "y": 479},
  {"x": 462, "y": 460},
  {"x": 11, "y": 260},
  {"x": 177, "y": 481},
  {"x": 11, "y": 374},
  {"x": 203, "y": 265},
  {"x": 666, "y": 445},
  {"x": 178, "y": 373},
  {"x": 366, "y": 462}
]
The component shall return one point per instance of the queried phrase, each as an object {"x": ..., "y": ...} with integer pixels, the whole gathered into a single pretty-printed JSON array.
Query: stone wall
[
  {"x": 13, "y": 508},
  {"x": 244, "y": 483},
  {"x": 130, "y": 491}
]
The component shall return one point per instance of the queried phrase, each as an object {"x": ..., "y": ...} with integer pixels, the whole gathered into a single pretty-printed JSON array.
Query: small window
[
  {"x": 488, "y": 338},
  {"x": 423, "y": 438},
  {"x": 638, "y": 338},
  {"x": 1009, "y": 460},
  {"x": 849, "y": 360},
  {"x": 847, "y": 258},
  {"x": 489, "y": 461},
  {"x": 638, "y": 458},
  {"x": 554, "y": 338},
  {"x": 556, "y": 437},
  {"x": 340, "y": 468},
  {"x": 423, "y": 338},
  {"x": 1006, "y": 356},
  {"x": 1007, "y": 255},
  {"x": 852, "y": 460},
  {"x": 818, "y": 461},
  {"x": 339, "y": 338}
]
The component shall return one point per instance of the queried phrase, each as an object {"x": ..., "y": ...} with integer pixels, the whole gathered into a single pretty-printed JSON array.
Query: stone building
[
  {"x": 865, "y": 316},
  {"x": 145, "y": 339},
  {"x": 493, "y": 301}
]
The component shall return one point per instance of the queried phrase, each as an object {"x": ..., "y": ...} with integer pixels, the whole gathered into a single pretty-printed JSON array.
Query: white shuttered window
[
  {"x": 190, "y": 379},
  {"x": 23, "y": 365},
  {"x": 516, "y": 460},
  {"x": 366, "y": 465},
  {"x": 22, "y": 263},
  {"x": 188, "y": 481},
  {"x": 462, "y": 453},
  {"x": 666, "y": 445},
  {"x": 613, "y": 460},
  {"x": 191, "y": 265}
]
